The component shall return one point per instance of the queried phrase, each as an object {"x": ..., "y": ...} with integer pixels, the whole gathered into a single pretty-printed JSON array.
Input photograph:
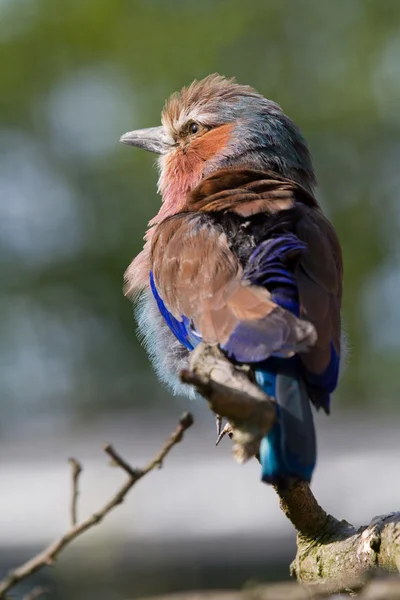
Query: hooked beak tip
[
  {"x": 124, "y": 139},
  {"x": 153, "y": 139}
]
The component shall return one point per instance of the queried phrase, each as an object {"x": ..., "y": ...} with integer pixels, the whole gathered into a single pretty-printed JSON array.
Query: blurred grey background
[{"x": 74, "y": 205}]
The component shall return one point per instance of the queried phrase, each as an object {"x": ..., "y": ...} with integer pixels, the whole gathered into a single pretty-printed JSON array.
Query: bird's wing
[
  {"x": 199, "y": 279},
  {"x": 247, "y": 192},
  {"x": 317, "y": 272},
  {"x": 319, "y": 277}
]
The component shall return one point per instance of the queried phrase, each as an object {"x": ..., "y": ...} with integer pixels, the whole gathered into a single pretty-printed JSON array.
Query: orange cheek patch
[{"x": 212, "y": 142}]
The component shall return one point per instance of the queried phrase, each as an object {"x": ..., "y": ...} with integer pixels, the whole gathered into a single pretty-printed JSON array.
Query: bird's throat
[{"x": 180, "y": 174}]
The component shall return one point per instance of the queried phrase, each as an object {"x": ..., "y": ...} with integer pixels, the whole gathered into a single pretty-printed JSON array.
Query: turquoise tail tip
[{"x": 288, "y": 451}]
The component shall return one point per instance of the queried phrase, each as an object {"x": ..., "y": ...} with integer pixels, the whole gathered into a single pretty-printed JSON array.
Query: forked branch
[{"x": 49, "y": 554}]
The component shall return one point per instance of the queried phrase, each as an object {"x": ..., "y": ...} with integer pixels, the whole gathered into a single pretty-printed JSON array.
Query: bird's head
[{"x": 216, "y": 123}]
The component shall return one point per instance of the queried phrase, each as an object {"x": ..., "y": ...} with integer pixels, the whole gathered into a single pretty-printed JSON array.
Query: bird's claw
[{"x": 228, "y": 429}]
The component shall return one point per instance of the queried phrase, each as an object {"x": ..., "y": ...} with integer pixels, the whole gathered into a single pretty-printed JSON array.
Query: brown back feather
[
  {"x": 247, "y": 192},
  {"x": 319, "y": 278}
]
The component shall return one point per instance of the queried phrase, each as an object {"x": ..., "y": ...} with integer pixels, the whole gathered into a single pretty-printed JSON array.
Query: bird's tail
[{"x": 289, "y": 450}]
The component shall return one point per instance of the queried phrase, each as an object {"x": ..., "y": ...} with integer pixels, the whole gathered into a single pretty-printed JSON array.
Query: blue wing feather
[{"x": 179, "y": 328}]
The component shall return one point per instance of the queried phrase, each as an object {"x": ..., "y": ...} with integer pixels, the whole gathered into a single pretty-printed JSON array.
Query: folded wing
[{"x": 201, "y": 281}]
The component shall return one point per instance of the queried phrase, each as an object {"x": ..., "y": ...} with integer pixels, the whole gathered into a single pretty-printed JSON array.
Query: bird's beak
[{"x": 153, "y": 139}]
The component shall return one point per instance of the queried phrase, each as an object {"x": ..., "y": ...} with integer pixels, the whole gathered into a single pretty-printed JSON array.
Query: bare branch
[
  {"x": 232, "y": 394},
  {"x": 118, "y": 461},
  {"x": 328, "y": 550},
  {"x": 75, "y": 472},
  {"x": 49, "y": 554},
  {"x": 299, "y": 505}
]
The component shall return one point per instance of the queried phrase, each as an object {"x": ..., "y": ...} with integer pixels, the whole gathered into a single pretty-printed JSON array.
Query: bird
[{"x": 241, "y": 255}]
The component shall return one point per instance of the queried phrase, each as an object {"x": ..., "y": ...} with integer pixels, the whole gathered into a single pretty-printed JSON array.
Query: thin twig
[
  {"x": 49, "y": 554},
  {"x": 118, "y": 461},
  {"x": 76, "y": 471}
]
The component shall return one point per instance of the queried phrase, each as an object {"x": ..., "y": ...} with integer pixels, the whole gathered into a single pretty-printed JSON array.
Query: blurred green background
[{"x": 74, "y": 204}]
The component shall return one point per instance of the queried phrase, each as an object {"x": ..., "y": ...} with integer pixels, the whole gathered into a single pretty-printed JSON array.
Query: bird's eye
[{"x": 193, "y": 128}]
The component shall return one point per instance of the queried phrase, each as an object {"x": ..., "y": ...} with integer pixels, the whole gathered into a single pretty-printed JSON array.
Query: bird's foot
[
  {"x": 228, "y": 429},
  {"x": 218, "y": 423}
]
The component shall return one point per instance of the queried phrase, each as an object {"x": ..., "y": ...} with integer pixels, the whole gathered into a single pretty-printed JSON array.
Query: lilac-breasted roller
[{"x": 240, "y": 254}]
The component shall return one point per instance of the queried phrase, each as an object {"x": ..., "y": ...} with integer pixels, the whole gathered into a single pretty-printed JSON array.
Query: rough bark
[{"x": 329, "y": 551}]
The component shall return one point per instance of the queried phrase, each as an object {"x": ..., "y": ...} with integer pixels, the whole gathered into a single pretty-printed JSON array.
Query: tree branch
[
  {"x": 332, "y": 555},
  {"x": 76, "y": 470},
  {"x": 231, "y": 394},
  {"x": 49, "y": 554},
  {"x": 328, "y": 550}
]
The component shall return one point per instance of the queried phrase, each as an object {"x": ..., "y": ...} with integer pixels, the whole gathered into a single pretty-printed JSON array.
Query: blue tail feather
[{"x": 289, "y": 450}]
